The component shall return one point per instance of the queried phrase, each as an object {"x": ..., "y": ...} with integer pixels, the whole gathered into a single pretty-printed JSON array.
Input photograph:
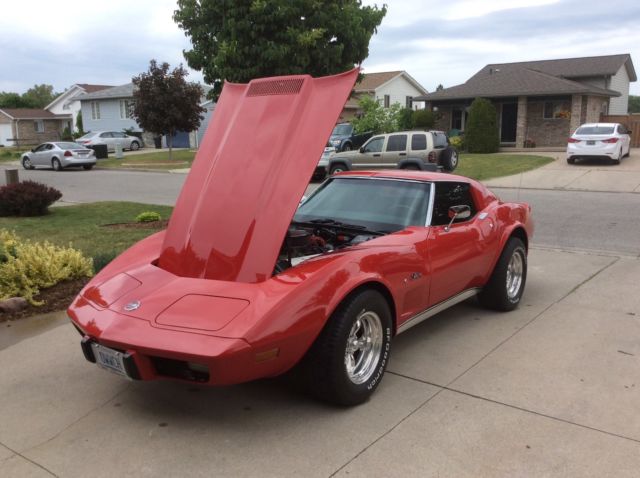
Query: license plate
[
  {"x": 109, "y": 359},
  {"x": 591, "y": 143}
]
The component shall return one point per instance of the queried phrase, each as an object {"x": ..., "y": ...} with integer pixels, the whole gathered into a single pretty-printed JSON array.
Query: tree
[
  {"x": 245, "y": 39},
  {"x": 634, "y": 104},
  {"x": 439, "y": 87},
  {"x": 39, "y": 96},
  {"x": 12, "y": 100},
  {"x": 164, "y": 102},
  {"x": 405, "y": 119},
  {"x": 375, "y": 117},
  {"x": 423, "y": 119},
  {"x": 481, "y": 132},
  {"x": 79, "y": 125}
]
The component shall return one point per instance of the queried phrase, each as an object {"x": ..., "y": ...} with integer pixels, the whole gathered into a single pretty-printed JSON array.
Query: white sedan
[
  {"x": 599, "y": 140},
  {"x": 111, "y": 139},
  {"x": 59, "y": 155}
]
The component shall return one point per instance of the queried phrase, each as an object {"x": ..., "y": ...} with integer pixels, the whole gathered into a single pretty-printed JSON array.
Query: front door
[{"x": 508, "y": 122}]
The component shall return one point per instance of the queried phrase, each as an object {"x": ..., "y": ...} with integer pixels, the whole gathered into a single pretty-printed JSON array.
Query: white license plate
[
  {"x": 109, "y": 359},
  {"x": 591, "y": 143}
]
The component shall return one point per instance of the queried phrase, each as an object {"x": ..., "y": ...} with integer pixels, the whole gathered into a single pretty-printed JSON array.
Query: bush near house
[
  {"x": 27, "y": 267},
  {"x": 27, "y": 198},
  {"x": 481, "y": 132},
  {"x": 423, "y": 119}
]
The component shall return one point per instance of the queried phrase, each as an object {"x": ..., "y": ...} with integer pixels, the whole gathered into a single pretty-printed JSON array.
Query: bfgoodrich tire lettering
[
  {"x": 348, "y": 359},
  {"x": 506, "y": 285}
]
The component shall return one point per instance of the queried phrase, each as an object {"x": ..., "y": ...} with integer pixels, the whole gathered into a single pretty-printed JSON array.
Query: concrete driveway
[
  {"x": 586, "y": 175},
  {"x": 551, "y": 389}
]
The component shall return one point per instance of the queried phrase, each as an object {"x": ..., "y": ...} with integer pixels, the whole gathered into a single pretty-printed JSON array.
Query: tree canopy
[
  {"x": 164, "y": 102},
  {"x": 634, "y": 104},
  {"x": 239, "y": 40},
  {"x": 38, "y": 96}
]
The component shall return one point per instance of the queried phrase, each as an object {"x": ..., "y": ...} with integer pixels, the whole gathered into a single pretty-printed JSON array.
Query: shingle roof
[
  {"x": 536, "y": 78},
  {"x": 371, "y": 81},
  {"x": 93, "y": 88},
  {"x": 31, "y": 113},
  {"x": 122, "y": 91}
]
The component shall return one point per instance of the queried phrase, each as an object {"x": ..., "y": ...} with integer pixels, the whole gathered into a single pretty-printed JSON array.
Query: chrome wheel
[
  {"x": 26, "y": 163},
  {"x": 364, "y": 344},
  {"x": 515, "y": 270}
]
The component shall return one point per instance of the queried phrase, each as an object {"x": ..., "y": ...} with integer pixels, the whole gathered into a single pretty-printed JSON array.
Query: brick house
[
  {"x": 387, "y": 87},
  {"x": 29, "y": 126},
  {"x": 540, "y": 102}
]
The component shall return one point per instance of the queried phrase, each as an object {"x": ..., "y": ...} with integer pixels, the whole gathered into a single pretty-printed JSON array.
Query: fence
[{"x": 632, "y": 122}]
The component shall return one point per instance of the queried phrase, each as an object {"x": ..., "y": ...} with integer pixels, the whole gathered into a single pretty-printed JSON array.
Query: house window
[
  {"x": 408, "y": 100},
  {"x": 456, "y": 120},
  {"x": 125, "y": 109},
  {"x": 556, "y": 110},
  {"x": 387, "y": 101},
  {"x": 95, "y": 110},
  {"x": 38, "y": 126}
]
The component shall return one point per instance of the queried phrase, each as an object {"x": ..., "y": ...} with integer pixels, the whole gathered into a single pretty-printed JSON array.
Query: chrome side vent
[{"x": 275, "y": 87}]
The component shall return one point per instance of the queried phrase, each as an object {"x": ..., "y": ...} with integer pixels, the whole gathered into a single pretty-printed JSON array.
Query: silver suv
[{"x": 419, "y": 150}]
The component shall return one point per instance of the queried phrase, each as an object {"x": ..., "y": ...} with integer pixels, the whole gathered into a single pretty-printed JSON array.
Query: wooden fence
[{"x": 632, "y": 122}]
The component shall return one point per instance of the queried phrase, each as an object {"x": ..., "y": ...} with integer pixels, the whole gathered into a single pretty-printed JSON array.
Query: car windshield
[
  {"x": 595, "y": 130},
  {"x": 88, "y": 136},
  {"x": 383, "y": 205},
  {"x": 70, "y": 146},
  {"x": 342, "y": 130}
]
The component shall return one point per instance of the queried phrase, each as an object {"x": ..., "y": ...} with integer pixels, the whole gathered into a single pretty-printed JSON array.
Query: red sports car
[{"x": 249, "y": 282}]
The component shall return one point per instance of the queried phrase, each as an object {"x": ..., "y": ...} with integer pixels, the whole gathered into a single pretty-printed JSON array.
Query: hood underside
[{"x": 249, "y": 174}]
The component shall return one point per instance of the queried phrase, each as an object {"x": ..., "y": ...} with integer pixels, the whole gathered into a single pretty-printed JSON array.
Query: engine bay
[{"x": 304, "y": 241}]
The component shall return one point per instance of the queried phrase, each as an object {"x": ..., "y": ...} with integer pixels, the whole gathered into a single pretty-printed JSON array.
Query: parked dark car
[{"x": 344, "y": 138}]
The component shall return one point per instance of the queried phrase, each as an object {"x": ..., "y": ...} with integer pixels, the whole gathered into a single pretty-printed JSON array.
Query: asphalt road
[{"x": 565, "y": 219}]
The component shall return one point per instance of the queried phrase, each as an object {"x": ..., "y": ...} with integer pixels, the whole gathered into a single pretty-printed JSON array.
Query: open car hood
[{"x": 249, "y": 175}]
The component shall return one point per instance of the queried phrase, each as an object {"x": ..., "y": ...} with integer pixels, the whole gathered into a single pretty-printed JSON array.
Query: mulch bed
[
  {"x": 138, "y": 225},
  {"x": 58, "y": 297}
]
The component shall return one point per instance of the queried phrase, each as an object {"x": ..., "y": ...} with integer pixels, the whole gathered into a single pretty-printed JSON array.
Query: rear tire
[
  {"x": 449, "y": 159},
  {"x": 506, "y": 284},
  {"x": 346, "y": 363},
  {"x": 571, "y": 160},
  {"x": 56, "y": 165},
  {"x": 617, "y": 160},
  {"x": 87, "y": 167}
]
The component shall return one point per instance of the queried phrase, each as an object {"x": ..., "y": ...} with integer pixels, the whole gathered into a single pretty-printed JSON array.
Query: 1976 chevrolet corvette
[{"x": 248, "y": 282}]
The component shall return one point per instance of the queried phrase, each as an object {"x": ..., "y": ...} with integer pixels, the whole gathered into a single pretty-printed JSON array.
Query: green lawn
[
  {"x": 81, "y": 226},
  {"x": 157, "y": 159},
  {"x": 11, "y": 154},
  {"x": 485, "y": 166}
]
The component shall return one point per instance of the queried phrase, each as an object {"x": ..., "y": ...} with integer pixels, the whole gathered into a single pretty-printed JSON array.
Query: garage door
[{"x": 5, "y": 134}]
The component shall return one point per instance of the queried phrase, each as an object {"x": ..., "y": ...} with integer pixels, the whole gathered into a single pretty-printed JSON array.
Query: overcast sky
[{"x": 107, "y": 42}]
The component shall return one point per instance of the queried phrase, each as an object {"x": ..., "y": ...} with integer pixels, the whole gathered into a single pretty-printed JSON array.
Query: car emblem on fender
[{"x": 132, "y": 306}]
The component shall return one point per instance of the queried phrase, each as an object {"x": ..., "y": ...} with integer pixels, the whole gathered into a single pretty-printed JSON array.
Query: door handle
[
  {"x": 375, "y": 155},
  {"x": 402, "y": 154}
]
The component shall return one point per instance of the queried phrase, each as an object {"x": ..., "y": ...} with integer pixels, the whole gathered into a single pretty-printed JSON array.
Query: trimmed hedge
[{"x": 481, "y": 132}]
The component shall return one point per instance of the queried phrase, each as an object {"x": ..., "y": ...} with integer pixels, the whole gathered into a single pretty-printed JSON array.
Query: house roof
[
  {"x": 93, "y": 88},
  {"x": 80, "y": 88},
  {"x": 31, "y": 113},
  {"x": 123, "y": 91},
  {"x": 536, "y": 78},
  {"x": 372, "y": 81}
]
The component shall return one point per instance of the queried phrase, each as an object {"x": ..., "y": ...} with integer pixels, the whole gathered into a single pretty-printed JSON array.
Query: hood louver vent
[{"x": 275, "y": 87}]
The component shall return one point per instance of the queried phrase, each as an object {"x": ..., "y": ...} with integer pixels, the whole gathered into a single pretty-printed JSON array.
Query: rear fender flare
[{"x": 345, "y": 161}]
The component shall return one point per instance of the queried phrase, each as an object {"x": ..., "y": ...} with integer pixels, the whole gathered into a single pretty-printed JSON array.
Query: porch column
[
  {"x": 521, "y": 122},
  {"x": 576, "y": 110}
]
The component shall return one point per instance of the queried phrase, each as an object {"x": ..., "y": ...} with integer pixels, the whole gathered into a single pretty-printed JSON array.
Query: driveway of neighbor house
[
  {"x": 550, "y": 389},
  {"x": 586, "y": 175}
]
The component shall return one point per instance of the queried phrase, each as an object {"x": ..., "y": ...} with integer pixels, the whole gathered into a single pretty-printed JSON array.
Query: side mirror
[
  {"x": 361, "y": 149},
  {"x": 458, "y": 212},
  {"x": 33, "y": 150}
]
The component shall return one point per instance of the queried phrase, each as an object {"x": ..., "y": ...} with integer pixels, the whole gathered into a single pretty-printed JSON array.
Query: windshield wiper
[{"x": 337, "y": 225}]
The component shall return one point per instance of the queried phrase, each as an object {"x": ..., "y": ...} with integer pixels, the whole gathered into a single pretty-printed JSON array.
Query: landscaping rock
[{"x": 15, "y": 304}]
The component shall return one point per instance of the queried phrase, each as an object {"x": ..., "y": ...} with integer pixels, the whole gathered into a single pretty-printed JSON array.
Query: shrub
[
  {"x": 27, "y": 198},
  {"x": 66, "y": 134},
  {"x": 148, "y": 216},
  {"x": 27, "y": 267},
  {"x": 405, "y": 119},
  {"x": 481, "y": 132},
  {"x": 424, "y": 119},
  {"x": 457, "y": 142}
]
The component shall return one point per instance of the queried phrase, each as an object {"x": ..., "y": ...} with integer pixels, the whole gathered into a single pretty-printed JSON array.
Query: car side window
[
  {"x": 48, "y": 147},
  {"x": 451, "y": 194},
  {"x": 119, "y": 135},
  {"x": 418, "y": 142},
  {"x": 374, "y": 145},
  {"x": 622, "y": 129},
  {"x": 106, "y": 135},
  {"x": 439, "y": 140},
  {"x": 397, "y": 142},
  {"x": 40, "y": 148}
]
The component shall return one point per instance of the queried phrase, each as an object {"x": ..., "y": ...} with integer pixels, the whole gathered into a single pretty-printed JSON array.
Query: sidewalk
[
  {"x": 550, "y": 389},
  {"x": 593, "y": 175}
]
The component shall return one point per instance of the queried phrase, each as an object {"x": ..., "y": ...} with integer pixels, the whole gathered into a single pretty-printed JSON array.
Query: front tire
[
  {"x": 449, "y": 159},
  {"x": 135, "y": 146},
  {"x": 337, "y": 168},
  {"x": 26, "y": 163},
  {"x": 348, "y": 359},
  {"x": 56, "y": 165},
  {"x": 347, "y": 147},
  {"x": 506, "y": 284}
]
